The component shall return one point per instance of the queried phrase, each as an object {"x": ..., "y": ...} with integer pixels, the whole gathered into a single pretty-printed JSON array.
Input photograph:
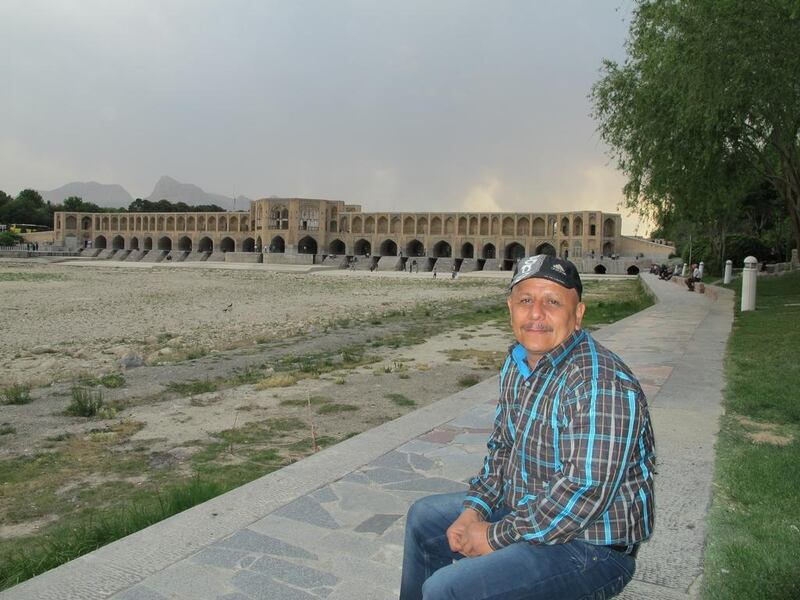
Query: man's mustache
[{"x": 537, "y": 327}]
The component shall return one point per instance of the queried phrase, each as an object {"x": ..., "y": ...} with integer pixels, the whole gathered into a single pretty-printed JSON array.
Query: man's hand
[{"x": 467, "y": 534}]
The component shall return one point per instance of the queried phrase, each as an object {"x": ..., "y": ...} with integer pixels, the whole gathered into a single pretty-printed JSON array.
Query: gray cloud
[{"x": 441, "y": 105}]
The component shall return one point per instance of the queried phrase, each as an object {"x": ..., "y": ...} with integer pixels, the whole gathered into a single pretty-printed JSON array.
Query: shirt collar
[{"x": 554, "y": 356}]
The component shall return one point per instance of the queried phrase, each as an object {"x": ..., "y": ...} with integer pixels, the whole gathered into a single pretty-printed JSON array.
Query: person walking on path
[{"x": 566, "y": 492}]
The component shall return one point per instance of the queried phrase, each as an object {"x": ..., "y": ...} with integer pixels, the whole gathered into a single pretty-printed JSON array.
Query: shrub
[
  {"x": 85, "y": 403},
  {"x": 16, "y": 394}
]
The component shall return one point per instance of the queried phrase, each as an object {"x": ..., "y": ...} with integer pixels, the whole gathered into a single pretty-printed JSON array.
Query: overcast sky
[{"x": 394, "y": 105}]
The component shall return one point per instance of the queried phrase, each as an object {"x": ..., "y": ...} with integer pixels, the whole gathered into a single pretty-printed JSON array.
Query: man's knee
[{"x": 440, "y": 586}]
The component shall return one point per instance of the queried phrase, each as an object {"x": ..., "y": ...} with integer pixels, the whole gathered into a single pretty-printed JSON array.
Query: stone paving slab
[{"x": 331, "y": 526}]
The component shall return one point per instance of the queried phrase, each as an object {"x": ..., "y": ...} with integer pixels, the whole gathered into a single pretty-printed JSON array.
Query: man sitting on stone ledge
[{"x": 565, "y": 495}]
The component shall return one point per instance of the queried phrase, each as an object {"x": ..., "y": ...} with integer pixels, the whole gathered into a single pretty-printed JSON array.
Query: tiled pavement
[{"x": 331, "y": 526}]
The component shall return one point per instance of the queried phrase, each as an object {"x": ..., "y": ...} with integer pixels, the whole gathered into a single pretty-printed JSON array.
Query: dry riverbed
[{"x": 225, "y": 374}]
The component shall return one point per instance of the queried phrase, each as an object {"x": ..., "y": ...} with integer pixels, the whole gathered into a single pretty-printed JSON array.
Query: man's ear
[{"x": 579, "y": 310}]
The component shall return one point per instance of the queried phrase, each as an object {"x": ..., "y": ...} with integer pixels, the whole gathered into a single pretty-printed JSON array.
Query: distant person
[
  {"x": 694, "y": 277},
  {"x": 565, "y": 496}
]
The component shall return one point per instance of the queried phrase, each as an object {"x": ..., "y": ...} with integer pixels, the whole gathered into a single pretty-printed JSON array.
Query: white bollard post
[
  {"x": 685, "y": 270},
  {"x": 749, "y": 283},
  {"x": 702, "y": 268},
  {"x": 728, "y": 272}
]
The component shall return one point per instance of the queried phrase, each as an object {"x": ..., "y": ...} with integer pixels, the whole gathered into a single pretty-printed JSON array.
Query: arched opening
[
  {"x": 100, "y": 241},
  {"x": 436, "y": 226},
  {"x": 389, "y": 248},
  {"x": 563, "y": 249},
  {"x": 337, "y": 247},
  {"x": 395, "y": 225},
  {"x": 408, "y": 225},
  {"x": 134, "y": 243},
  {"x": 523, "y": 227},
  {"x": 233, "y": 224},
  {"x": 515, "y": 251},
  {"x": 181, "y": 224},
  {"x": 71, "y": 222},
  {"x": 489, "y": 251},
  {"x": 415, "y": 248},
  {"x": 190, "y": 224},
  {"x": 608, "y": 228},
  {"x": 185, "y": 244},
  {"x": 118, "y": 242},
  {"x": 205, "y": 245},
  {"x": 164, "y": 243},
  {"x": 422, "y": 226},
  {"x": 356, "y": 224},
  {"x": 565, "y": 226},
  {"x": 462, "y": 226},
  {"x": 170, "y": 223},
  {"x": 508, "y": 226},
  {"x": 473, "y": 225},
  {"x": 223, "y": 224},
  {"x": 86, "y": 223},
  {"x": 608, "y": 249},
  {"x": 383, "y": 225},
  {"x": 600, "y": 269},
  {"x": 442, "y": 249},
  {"x": 633, "y": 270},
  {"x": 148, "y": 243},
  {"x": 362, "y": 248},
  {"x": 104, "y": 220},
  {"x": 467, "y": 251},
  {"x": 277, "y": 245},
  {"x": 538, "y": 227},
  {"x": 577, "y": 226},
  {"x": 546, "y": 249},
  {"x": 226, "y": 244},
  {"x": 114, "y": 224},
  {"x": 259, "y": 244},
  {"x": 249, "y": 245},
  {"x": 307, "y": 245},
  {"x": 369, "y": 225}
]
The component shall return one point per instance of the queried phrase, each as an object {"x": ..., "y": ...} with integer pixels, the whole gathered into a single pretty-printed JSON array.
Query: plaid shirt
[{"x": 572, "y": 450}]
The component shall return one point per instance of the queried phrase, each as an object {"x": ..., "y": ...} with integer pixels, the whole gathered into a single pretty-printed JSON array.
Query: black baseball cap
[{"x": 544, "y": 266}]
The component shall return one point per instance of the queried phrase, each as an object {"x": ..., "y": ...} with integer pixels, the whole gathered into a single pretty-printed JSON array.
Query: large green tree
[{"x": 706, "y": 104}]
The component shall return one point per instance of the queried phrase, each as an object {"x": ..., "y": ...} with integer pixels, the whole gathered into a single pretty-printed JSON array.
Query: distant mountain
[
  {"x": 175, "y": 191},
  {"x": 111, "y": 195},
  {"x": 115, "y": 196}
]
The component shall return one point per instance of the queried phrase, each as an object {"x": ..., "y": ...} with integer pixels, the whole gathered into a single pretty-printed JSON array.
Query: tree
[{"x": 706, "y": 104}]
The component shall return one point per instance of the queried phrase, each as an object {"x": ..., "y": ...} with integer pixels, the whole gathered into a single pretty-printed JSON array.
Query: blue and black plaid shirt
[{"x": 572, "y": 450}]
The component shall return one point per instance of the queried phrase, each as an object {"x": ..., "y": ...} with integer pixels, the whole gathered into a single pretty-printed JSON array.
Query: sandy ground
[{"x": 59, "y": 321}]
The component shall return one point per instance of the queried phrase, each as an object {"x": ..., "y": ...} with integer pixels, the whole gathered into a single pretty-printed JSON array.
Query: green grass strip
[
  {"x": 753, "y": 546},
  {"x": 67, "y": 543}
]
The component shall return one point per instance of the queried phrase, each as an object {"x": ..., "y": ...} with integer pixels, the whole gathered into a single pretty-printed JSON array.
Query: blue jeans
[{"x": 520, "y": 571}]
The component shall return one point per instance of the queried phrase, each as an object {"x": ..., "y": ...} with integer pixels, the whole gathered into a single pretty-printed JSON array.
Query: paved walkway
[{"x": 330, "y": 526}]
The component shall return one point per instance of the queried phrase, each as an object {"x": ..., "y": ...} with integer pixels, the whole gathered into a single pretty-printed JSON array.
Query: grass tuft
[
  {"x": 400, "y": 399},
  {"x": 468, "y": 381},
  {"x": 16, "y": 394},
  {"x": 85, "y": 403},
  {"x": 190, "y": 388},
  {"x": 277, "y": 380}
]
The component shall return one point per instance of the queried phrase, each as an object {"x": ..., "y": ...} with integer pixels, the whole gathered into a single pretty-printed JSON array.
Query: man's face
[{"x": 543, "y": 314}]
